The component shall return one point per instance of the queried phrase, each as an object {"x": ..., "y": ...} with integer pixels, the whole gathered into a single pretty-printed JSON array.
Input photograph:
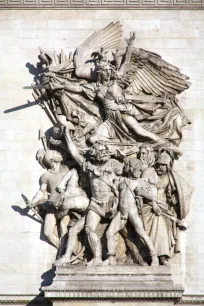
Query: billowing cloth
[
  {"x": 165, "y": 119},
  {"x": 114, "y": 118}
]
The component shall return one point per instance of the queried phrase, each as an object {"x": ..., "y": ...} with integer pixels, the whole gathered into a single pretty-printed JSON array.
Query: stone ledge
[
  {"x": 16, "y": 299},
  {"x": 113, "y": 282},
  {"x": 130, "y": 270},
  {"x": 192, "y": 299}
]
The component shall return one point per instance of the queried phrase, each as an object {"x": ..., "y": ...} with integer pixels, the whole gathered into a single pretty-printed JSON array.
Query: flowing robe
[{"x": 163, "y": 231}]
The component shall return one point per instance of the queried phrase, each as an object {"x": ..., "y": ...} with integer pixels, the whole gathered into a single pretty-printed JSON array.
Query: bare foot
[
  {"x": 155, "y": 261},
  {"x": 142, "y": 262},
  {"x": 110, "y": 261},
  {"x": 61, "y": 261},
  {"x": 105, "y": 262},
  {"x": 94, "y": 262}
]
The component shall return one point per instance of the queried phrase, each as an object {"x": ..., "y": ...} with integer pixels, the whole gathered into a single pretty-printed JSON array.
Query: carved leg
[
  {"x": 49, "y": 226},
  {"x": 63, "y": 225},
  {"x": 63, "y": 234},
  {"x": 116, "y": 225},
  {"x": 138, "y": 227},
  {"x": 135, "y": 127},
  {"x": 132, "y": 247},
  {"x": 71, "y": 243},
  {"x": 92, "y": 221}
]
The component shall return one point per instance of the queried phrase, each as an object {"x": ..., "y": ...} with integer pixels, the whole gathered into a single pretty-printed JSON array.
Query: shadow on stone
[
  {"x": 47, "y": 277},
  {"x": 32, "y": 69},
  {"x": 39, "y": 300},
  {"x": 24, "y": 212},
  {"x": 35, "y": 71}
]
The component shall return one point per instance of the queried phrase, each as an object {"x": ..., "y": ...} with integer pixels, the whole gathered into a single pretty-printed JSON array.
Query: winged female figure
[{"x": 130, "y": 92}]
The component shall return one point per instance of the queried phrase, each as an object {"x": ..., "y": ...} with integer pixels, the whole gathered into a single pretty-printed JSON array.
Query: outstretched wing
[
  {"x": 153, "y": 75},
  {"x": 109, "y": 38}
]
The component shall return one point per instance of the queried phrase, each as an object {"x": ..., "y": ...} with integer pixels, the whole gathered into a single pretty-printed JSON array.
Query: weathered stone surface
[
  {"x": 119, "y": 282},
  {"x": 24, "y": 230},
  {"x": 134, "y": 132}
]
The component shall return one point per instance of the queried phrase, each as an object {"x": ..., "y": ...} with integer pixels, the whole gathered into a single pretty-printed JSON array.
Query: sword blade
[
  {"x": 37, "y": 87},
  {"x": 179, "y": 222},
  {"x": 145, "y": 99},
  {"x": 32, "y": 208},
  {"x": 25, "y": 199},
  {"x": 121, "y": 144},
  {"x": 20, "y": 107}
]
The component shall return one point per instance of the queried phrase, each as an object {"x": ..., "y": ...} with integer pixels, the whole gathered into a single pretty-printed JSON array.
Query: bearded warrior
[
  {"x": 171, "y": 205},
  {"x": 103, "y": 174}
]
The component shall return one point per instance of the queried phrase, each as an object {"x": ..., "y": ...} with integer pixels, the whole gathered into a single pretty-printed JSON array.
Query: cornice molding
[
  {"x": 16, "y": 299},
  {"x": 41, "y": 301},
  {"x": 102, "y": 4},
  {"x": 114, "y": 294}
]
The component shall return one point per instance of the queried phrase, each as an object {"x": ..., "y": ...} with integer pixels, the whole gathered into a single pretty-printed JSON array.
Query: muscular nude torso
[
  {"x": 100, "y": 190},
  {"x": 102, "y": 178},
  {"x": 127, "y": 193}
]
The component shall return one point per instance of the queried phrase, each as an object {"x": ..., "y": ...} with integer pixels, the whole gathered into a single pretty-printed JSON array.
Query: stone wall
[{"x": 25, "y": 257}]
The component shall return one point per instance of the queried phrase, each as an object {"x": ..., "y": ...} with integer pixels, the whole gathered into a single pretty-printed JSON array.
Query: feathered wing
[
  {"x": 153, "y": 75},
  {"x": 109, "y": 38}
]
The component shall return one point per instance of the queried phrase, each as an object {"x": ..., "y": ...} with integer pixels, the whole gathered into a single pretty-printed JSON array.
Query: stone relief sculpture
[{"x": 117, "y": 126}]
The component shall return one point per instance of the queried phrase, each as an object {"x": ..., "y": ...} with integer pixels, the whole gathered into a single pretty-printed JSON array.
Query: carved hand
[
  {"x": 156, "y": 209},
  {"x": 60, "y": 190},
  {"x": 131, "y": 39},
  {"x": 112, "y": 213},
  {"x": 174, "y": 199},
  {"x": 30, "y": 205}
]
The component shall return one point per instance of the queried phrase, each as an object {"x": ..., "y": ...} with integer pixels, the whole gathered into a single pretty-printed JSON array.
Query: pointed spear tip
[{"x": 41, "y": 134}]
